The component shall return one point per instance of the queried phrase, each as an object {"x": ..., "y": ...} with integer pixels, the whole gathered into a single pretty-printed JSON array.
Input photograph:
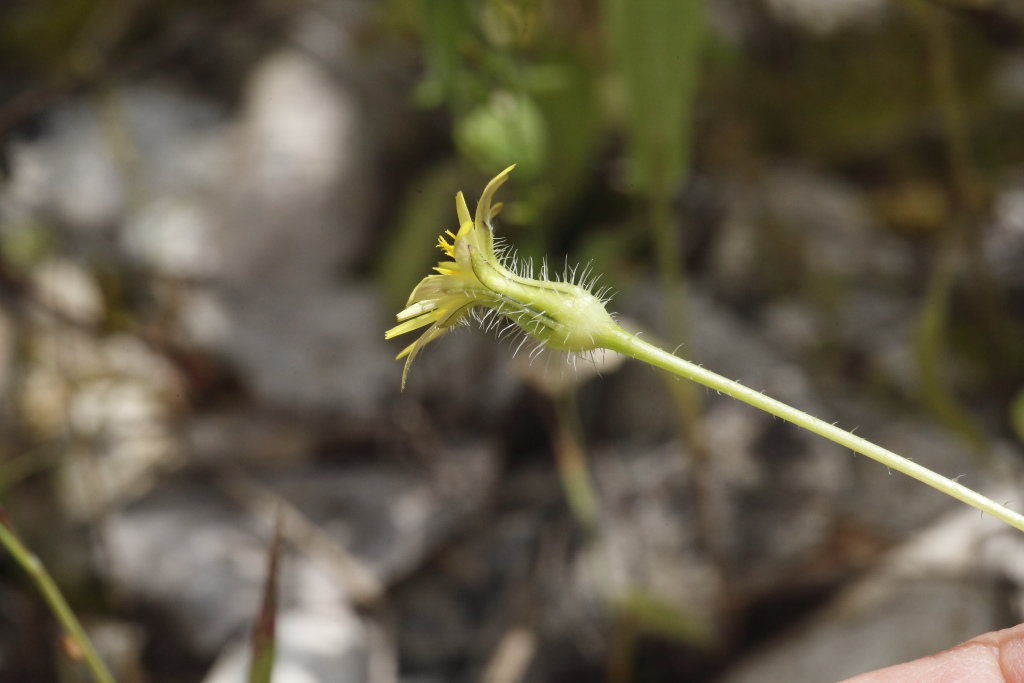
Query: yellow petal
[
  {"x": 405, "y": 352},
  {"x": 413, "y": 349},
  {"x": 410, "y": 325},
  {"x": 465, "y": 220},
  {"x": 483, "y": 208}
]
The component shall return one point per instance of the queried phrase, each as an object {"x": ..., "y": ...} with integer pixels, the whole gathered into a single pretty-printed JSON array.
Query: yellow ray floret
[{"x": 560, "y": 315}]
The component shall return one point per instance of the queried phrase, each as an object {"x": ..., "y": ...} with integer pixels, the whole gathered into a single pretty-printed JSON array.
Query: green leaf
[
  {"x": 649, "y": 614},
  {"x": 508, "y": 129},
  {"x": 264, "y": 630},
  {"x": 566, "y": 94},
  {"x": 656, "y": 47},
  {"x": 445, "y": 27}
]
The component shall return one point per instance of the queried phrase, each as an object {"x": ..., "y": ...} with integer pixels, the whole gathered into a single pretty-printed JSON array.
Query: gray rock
[
  {"x": 297, "y": 199},
  {"x": 435, "y": 627},
  {"x": 255, "y": 438},
  {"x": 839, "y": 237},
  {"x": 824, "y": 17},
  {"x": 934, "y": 592},
  {"x": 116, "y": 396},
  {"x": 66, "y": 289},
  {"x": 174, "y": 236},
  {"x": 879, "y": 327},
  {"x": 99, "y": 159},
  {"x": 795, "y": 224},
  {"x": 1003, "y": 240},
  {"x": 915, "y": 619},
  {"x": 309, "y": 647},
  {"x": 70, "y": 174},
  {"x": 648, "y": 540},
  {"x": 295, "y": 211},
  {"x": 319, "y": 350},
  {"x": 191, "y": 550}
]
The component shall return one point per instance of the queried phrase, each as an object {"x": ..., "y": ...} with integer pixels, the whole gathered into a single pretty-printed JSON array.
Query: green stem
[
  {"x": 572, "y": 461},
  {"x": 617, "y": 339},
  {"x": 44, "y": 582}
]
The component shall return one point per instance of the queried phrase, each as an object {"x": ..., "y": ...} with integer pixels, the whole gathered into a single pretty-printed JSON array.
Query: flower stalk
[
  {"x": 630, "y": 345},
  {"x": 567, "y": 317}
]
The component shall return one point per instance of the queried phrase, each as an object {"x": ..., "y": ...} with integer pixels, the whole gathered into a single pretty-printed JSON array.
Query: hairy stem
[{"x": 623, "y": 342}]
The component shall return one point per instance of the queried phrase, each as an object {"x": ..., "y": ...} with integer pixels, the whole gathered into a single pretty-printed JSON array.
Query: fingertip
[{"x": 1009, "y": 643}]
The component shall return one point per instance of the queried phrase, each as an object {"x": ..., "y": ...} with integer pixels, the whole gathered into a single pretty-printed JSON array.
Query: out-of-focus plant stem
[
  {"x": 27, "y": 464},
  {"x": 54, "y": 599},
  {"x": 962, "y": 235},
  {"x": 572, "y": 462}
]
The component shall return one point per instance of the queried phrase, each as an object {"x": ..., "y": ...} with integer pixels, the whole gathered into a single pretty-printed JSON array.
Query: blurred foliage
[
  {"x": 519, "y": 80},
  {"x": 1017, "y": 415},
  {"x": 25, "y": 244},
  {"x": 423, "y": 214},
  {"x": 50, "y": 49},
  {"x": 504, "y": 129},
  {"x": 598, "y": 102},
  {"x": 656, "y": 47},
  {"x": 650, "y": 614},
  {"x": 554, "y": 85}
]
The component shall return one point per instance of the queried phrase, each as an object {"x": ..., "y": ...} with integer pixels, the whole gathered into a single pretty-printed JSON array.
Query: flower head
[{"x": 559, "y": 315}]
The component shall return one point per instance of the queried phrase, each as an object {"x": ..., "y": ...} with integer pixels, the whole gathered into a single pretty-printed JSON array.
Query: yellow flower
[{"x": 560, "y": 315}]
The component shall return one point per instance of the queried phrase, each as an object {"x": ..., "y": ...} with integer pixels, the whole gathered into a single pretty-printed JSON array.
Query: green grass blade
[{"x": 264, "y": 630}]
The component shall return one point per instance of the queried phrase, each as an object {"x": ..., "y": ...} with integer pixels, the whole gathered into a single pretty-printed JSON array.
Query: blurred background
[{"x": 211, "y": 211}]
